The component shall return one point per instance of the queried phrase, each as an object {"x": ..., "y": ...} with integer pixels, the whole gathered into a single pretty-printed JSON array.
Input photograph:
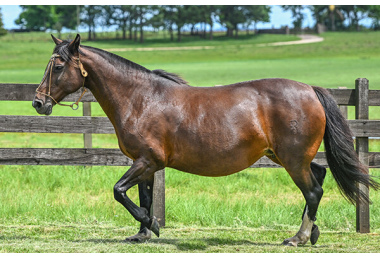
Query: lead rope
[{"x": 84, "y": 73}]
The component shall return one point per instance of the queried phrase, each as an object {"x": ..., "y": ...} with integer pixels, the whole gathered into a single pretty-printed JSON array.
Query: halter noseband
[{"x": 84, "y": 73}]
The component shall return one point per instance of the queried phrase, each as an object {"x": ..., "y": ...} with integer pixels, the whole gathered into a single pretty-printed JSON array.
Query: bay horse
[{"x": 160, "y": 121}]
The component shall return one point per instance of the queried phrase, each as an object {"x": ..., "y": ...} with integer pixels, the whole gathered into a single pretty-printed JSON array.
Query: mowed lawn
[{"x": 71, "y": 209}]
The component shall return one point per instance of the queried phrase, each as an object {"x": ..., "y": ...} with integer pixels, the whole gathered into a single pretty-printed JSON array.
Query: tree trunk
[
  {"x": 130, "y": 32},
  {"x": 141, "y": 27},
  {"x": 179, "y": 34},
  {"x": 171, "y": 33},
  {"x": 124, "y": 29},
  {"x": 332, "y": 20},
  {"x": 211, "y": 36},
  {"x": 141, "y": 34}
]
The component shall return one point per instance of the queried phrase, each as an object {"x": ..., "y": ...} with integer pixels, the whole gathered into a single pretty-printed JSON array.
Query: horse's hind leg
[
  {"x": 319, "y": 173},
  {"x": 304, "y": 178}
]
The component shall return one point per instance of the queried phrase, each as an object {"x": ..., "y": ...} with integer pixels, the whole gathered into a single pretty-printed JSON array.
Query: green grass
[
  {"x": 109, "y": 239},
  {"x": 71, "y": 209}
]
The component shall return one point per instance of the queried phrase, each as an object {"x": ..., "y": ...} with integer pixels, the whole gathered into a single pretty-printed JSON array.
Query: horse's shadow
[
  {"x": 185, "y": 244},
  {"x": 182, "y": 244}
]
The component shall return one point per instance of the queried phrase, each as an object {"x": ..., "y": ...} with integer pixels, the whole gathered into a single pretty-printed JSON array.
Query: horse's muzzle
[{"x": 41, "y": 108}]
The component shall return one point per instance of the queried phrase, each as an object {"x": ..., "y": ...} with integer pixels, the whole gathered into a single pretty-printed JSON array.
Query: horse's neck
[{"x": 116, "y": 89}]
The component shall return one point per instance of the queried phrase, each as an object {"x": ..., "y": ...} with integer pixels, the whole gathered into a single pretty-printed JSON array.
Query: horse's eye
[{"x": 58, "y": 68}]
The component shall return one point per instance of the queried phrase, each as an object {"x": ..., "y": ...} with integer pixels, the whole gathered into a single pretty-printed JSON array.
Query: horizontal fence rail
[
  {"x": 26, "y": 92},
  {"x": 112, "y": 157},
  {"x": 362, "y": 128},
  {"x": 102, "y": 125}
]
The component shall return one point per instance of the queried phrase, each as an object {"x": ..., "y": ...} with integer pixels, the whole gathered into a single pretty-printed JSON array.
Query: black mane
[
  {"x": 62, "y": 50},
  {"x": 170, "y": 76}
]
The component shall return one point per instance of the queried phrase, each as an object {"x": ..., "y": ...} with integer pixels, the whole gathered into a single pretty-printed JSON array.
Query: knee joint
[{"x": 118, "y": 192}]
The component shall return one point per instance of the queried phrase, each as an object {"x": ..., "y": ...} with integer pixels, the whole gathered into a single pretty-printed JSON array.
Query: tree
[
  {"x": 374, "y": 14},
  {"x": 329, "y": 15},
  {"x": 36, "y": 17},
  {"x": 209, "y": 16},
  {"x": 194, "y": 15},
  {"x": 142, "y": 11},
  {"x": 157, "y": 20},
  {"x": 120, "y": 15},
  {"x": 169, "y": 19},
  {"x": 90, "y": 15},
  {"x": 297, "y": 14},
  {"x": 64, "y": 16},
  {"x": 355, "y": 13},
  {"x": 255, "y": 14},
  {"x": 231, "y": 16},
  {"x": 2, "y": 30},
  {"x": 175, "y": 15}
]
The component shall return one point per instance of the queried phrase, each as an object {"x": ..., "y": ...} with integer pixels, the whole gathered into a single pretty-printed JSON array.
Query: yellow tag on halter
[{"x": 82, "y": 70}]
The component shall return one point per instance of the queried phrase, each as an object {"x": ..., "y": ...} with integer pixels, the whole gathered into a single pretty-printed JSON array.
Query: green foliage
[
  {"x": 36, "y": 17},
  {"x": 297, "y": 14},
  {"x": 2, "y": 30},
  {"x": 374, "y": 13}
]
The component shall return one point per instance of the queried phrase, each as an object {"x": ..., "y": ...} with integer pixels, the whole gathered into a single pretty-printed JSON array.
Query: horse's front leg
[
  {"x": 146, "y": 198},
  {"x": 142, "y": 173}
]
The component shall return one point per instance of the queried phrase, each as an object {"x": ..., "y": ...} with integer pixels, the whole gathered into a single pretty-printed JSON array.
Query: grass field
[{"x": 71, "y": 209}]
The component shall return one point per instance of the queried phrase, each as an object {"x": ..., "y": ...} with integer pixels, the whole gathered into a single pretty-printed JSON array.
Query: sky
[{"x": 278, "y": 17}]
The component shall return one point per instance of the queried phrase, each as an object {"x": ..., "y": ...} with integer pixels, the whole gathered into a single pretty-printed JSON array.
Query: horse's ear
[
  {"x": 56, "y": 40},
  {"x": 74, "y": 45}
]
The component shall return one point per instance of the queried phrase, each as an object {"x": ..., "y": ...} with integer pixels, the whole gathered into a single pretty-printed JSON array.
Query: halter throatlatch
[{"x": 49, "y": 69}]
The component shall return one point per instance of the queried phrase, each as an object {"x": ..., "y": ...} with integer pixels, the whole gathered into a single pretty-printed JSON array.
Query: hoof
[
  {"x": 154, "y": 226},
  {"x": 314, "y": 234},
  {"x": 142, "y": 236},
  {"x": 288, "y": 243}
]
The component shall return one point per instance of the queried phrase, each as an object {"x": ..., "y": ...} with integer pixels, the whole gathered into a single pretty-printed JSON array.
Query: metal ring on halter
[{"x": 74, "y": 104}]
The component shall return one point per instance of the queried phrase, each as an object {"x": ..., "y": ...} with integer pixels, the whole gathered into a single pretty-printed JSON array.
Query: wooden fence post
[
  {"x": 158, "y": 204},
  {"x": 87, "y": 137},
  {"x": 361, "y": 112}
]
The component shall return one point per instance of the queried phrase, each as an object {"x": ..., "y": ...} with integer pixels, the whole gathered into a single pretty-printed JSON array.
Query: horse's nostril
[{"x": 37, "y": 104}]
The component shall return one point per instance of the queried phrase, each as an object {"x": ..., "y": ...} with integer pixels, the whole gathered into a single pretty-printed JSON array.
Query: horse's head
[{"x": 64, "y": 75}]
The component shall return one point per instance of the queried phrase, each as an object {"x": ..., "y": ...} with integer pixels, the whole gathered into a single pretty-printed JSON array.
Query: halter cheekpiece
[{"x": 50, "y": 66}]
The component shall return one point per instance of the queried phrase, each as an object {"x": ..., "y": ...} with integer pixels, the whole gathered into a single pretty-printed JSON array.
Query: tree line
[
  {"x": 336, "y": 17},
  {"x": 133, "y": 20}
]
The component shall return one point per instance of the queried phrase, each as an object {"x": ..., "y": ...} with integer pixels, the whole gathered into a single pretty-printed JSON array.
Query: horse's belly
[{"x": 205, "y": 161}]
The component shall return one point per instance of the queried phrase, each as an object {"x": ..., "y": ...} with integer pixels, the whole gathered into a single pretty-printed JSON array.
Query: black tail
[{"x": 342, "y": 159}]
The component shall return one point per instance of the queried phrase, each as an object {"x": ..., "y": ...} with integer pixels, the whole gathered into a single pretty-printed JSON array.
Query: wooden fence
[{"x": 360, "y": 97}]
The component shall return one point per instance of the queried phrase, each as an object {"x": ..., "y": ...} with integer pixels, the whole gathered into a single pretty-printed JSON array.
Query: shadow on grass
[
  {"x": 203, "y": 244},
  {"x": 184, "y": 244},
  {"x": 181, "y": 244}
]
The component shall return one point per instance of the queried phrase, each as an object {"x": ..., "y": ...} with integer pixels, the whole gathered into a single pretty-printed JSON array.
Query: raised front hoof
[
  {"x": 155, "y": 226},
  {"x": 314, "y": 234},
  {"x": 142, "y": 236}
]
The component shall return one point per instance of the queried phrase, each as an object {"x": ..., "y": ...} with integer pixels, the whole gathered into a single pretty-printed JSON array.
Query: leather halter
[{"x": 84, "y": 73}]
